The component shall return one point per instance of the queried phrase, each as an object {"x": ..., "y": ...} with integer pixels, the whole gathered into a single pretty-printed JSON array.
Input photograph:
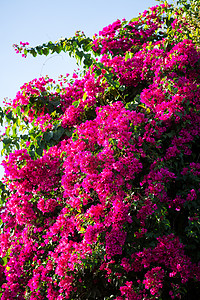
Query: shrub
[{"x": 100, "y": 198}]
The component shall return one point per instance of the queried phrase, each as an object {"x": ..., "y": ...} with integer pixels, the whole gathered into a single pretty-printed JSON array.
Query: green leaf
[
  {"x": 84, "y": 96},
  {"x": 48, "y": 136},
  {"x": 179, "y": 113},
  {"x": 76, "y": 103},
  {"x": 39, "y": 50},
  {"x": 74, "y": 136},
  {"x": 46, "y": 51},
  {"x": 39, "y": 151},
  {"x": 58, "y": 133},
  {"x": 33, "y": 52},
  {"x": 8, "y": 131},
  {"x": 14, "y": 130},
  {"x": 57, "y": 48},
  {"x": 7, "y": 141},
  {"x": 128, "y": 55},
  {"x": 69, "y": 132},
  {"x": 4, "y": 261},
  {"x": 98, "y": 72},
  {"x": 9, "y": 115}
]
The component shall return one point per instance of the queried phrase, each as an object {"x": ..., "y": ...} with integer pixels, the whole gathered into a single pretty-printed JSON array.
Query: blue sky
[{"x": 40, "y": 21}]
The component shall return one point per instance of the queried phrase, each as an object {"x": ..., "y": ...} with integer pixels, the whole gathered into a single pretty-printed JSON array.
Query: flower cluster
[{"x": 109, "y": 206}]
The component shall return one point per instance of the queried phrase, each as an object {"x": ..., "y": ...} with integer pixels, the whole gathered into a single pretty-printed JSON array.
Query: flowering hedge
[{"x": 101, "y": 193}]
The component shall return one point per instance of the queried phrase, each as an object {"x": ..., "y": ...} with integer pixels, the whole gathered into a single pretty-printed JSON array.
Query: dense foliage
[{"x": 101, "y": 193}]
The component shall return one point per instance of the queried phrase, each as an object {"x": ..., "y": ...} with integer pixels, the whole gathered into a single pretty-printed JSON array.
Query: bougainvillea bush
[{"x": 101, "y": 193}]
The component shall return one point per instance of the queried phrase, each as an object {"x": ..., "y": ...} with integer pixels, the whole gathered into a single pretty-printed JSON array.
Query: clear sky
[{"x": 41, "y": 21}]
